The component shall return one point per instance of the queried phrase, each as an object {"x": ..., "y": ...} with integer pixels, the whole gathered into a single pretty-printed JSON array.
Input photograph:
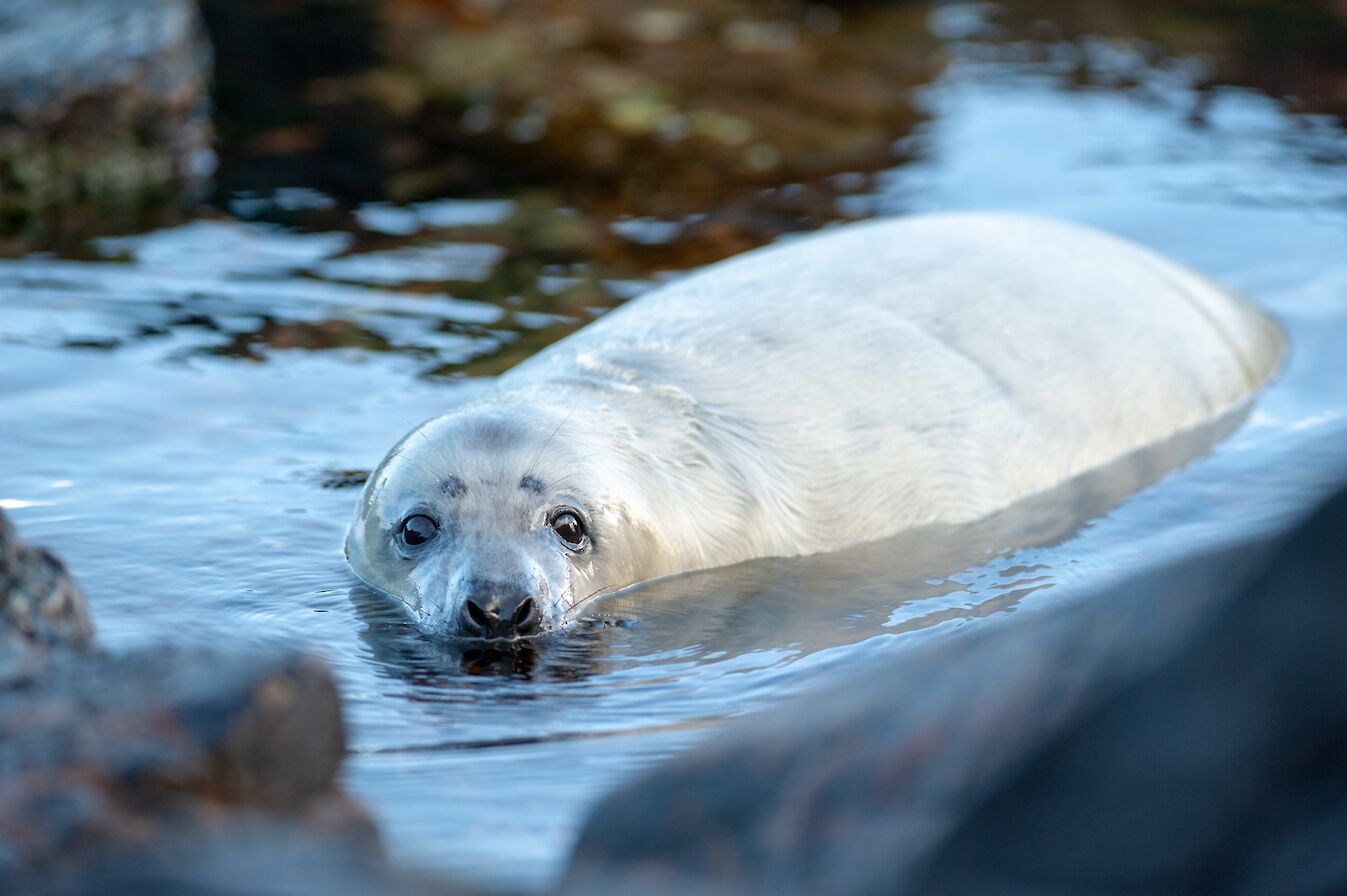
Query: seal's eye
[
  {"x": 418, "y": 529},
  {"x": 569, "y": 528}
]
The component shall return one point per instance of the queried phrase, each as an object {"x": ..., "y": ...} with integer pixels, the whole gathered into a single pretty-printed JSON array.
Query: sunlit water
[{"x": 165, "y": 425}]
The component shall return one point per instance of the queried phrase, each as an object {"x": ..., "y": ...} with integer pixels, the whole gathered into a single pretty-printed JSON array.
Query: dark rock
[
  {"x": 135, "y": 754},
  {"x": 272, "y": 59},
  {"x": 1184, "y": 732},
  {"x": 1224, "y": 770},
  {"x": 39, "y": 602},
  {"x": 167, "y": 771},
  {"x": 132, "y": 761},
  {"x": 100, "y": 100}
]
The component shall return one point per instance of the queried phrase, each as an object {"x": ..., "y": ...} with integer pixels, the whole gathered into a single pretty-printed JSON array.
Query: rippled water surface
[{"x": 186, "y": 421}]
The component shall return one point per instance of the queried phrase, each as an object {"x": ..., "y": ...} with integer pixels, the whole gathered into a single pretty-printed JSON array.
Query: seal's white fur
[
  {"x": 849, "y": 385},
  {"x": 846, "y": 386}
]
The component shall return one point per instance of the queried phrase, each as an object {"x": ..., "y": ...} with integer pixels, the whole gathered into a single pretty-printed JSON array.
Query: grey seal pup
[{"x": 814, "y": 394}]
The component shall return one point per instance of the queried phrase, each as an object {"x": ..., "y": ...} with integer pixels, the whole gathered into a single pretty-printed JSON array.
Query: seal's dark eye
[
  {"x": 418, "y": 529},
  {"x": 569, "y": 528}
]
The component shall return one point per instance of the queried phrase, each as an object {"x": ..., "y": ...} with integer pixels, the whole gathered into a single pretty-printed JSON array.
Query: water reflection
[{"x": 429, "y": 664}]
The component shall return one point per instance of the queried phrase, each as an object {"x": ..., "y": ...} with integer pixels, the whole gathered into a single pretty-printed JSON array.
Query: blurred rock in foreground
[
  {"x": 140, "y": 752},
  {"x": 39, "y": 603},
  {"x": 100, "y": 102},
  {"x": 261, "y": 860},
  {"x": 1184, "y": 732},
  {"x": 161, "y": 765}
]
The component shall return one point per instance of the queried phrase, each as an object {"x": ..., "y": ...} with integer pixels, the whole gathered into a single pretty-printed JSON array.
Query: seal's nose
[{"x": 500, "y": 614}]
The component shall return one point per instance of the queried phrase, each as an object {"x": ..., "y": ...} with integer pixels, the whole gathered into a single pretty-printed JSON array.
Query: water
[{"x": 186, "y": 421}]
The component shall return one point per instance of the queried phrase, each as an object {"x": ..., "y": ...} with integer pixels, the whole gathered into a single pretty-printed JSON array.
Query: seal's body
[{"x": 824, "y": 391}]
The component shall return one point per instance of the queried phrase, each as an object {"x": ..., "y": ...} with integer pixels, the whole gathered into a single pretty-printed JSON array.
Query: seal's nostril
[
  {"x": 525, "y": 616},
  {"x": 497, "y": 611},
  {"x": 477, "y": 614}
]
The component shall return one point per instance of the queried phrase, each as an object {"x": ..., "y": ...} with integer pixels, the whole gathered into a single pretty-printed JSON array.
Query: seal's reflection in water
[
  {"x": 405, "y": 652},
  {"x": 800, "y": 604}
]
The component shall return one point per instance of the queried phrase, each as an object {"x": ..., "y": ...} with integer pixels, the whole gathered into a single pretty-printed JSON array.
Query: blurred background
[
  {"x": 611, "y": 139},
  {"x": 729, "y": 121}
]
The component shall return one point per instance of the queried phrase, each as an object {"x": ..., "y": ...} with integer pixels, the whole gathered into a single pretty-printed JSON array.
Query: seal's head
[{"x": 491, "y": 523}]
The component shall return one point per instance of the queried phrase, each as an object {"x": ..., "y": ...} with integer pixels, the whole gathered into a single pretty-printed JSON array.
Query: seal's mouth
[
  {"x": 488, "y": 634},
  {"x": 493, "y": 640}
]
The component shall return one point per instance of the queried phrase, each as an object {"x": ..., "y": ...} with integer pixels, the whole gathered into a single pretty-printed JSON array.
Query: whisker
[
  {"x": 606, "y": 589},
  {"x": 553, "y": 483},
  {"x": 558, "y": 481},
  {"x": 537, "y": 457},
  {"x": 407, "y": 457},
  {"x": 417, "y": 429}
]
